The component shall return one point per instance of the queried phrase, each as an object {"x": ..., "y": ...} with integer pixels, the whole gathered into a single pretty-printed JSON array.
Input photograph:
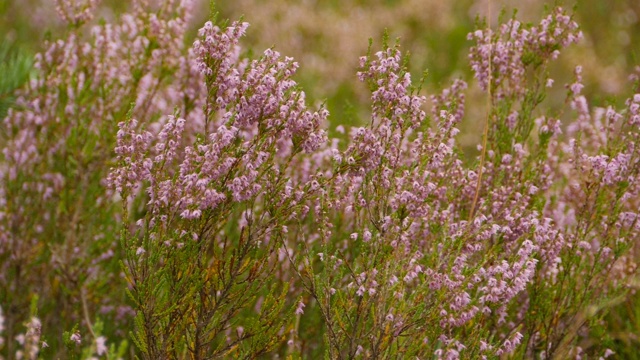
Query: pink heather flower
[
  {"x": 101, "y": 345},
  {"x": 300, "y": 308},
  {"x": 512, "y": 120},
  {"x": 76, "y": 338},
  {"x": 30, "y": 341},
  {"x": 366, "y": 236},
  {"x": 576, "y": 88}
]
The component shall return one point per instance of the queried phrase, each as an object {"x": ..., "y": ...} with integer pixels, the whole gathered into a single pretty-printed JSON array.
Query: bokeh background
[{"x": 328, "y": 36}]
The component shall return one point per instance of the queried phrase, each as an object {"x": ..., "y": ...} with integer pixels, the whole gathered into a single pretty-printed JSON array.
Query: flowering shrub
[{"x": 188, "y": 199}]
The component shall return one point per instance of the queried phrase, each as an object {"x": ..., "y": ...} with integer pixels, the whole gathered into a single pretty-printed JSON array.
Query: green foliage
[{"x": 15, "y": 68}]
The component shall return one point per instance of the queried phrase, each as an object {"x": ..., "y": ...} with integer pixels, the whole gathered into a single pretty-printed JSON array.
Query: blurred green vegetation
[{"x": 15, "y": 66}]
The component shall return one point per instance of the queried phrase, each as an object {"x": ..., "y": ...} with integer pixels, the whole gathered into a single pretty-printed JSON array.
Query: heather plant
[
  {"x": 58, "y": 228},
  {"x": 217, "y": 201},
  {"x": 188, "y": 200},
  {"x": 428, "y": 256}
]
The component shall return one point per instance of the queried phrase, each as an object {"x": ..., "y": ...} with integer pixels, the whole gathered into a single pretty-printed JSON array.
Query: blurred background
[{"x": 328, "y": 36}]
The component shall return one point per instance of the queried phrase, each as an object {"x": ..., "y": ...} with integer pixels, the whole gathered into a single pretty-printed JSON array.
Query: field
[{"x": 382, "y": 179}]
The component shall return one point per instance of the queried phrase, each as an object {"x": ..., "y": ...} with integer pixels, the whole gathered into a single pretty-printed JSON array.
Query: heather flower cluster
[
  {"x": 170, "y": 201},
  {"x": 500, "y": 59},
  {"x": 58, "y": 222}
]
